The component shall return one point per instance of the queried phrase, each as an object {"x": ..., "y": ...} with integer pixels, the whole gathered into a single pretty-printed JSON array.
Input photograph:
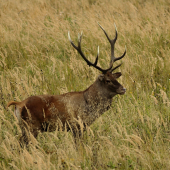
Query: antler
[
  {"x": 112, "y": 43},
  {"x": 78, "y": 48},
  {"x": 113, "y": 58}
]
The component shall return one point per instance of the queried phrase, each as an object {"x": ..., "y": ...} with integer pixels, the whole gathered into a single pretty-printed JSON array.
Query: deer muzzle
[{"x": 122, "y": 91}]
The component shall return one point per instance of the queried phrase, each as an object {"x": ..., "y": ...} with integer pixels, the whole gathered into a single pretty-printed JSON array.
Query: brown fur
[{"x": 48, "y": 112}]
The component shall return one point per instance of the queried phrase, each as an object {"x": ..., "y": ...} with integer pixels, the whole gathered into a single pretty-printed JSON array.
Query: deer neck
[
  {"x": 96, "y": 103},
  {"x": 97, "y": 95}
]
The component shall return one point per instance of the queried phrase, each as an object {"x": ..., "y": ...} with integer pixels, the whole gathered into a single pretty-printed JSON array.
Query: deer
[{"x": 44, "y": 113}]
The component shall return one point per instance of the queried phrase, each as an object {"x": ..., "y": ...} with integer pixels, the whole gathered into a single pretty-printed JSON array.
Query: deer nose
[{"x": 124, "y": 89}]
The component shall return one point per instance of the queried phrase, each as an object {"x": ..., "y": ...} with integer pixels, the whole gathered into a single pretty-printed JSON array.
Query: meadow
[{"x": 36, "y": 58}]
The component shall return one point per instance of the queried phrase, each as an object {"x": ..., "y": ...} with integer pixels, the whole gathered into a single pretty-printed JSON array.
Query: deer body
[{"x": 65, "y": 111}]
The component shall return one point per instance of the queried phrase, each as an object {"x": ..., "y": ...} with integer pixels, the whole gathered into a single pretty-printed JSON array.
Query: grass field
[{"x": 37, "y": 58}]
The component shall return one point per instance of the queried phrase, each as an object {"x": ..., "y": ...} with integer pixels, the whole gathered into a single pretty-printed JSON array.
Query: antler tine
[
  {"x": 78, "y": 48},
  {"x": 95, "y": 63},
  {"x": 72, "y": 41},
  {"x": 115, "y": 67},
  {"x": 118, "y": 58},
  {"x": 112, "y": 43}
]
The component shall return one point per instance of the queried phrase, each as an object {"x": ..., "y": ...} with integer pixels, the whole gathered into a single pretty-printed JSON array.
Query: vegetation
[{"x": 37, "y": 58}]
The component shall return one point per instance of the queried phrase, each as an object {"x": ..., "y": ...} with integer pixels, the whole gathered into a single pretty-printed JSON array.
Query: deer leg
[{"x": 25, "y": 138}]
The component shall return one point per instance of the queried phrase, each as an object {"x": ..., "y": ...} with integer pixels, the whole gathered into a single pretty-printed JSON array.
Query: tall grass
[{"x": 37, "y": 58}]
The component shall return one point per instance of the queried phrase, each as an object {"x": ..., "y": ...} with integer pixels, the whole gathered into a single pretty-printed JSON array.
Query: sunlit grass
[{"x": 37, "y": 58}]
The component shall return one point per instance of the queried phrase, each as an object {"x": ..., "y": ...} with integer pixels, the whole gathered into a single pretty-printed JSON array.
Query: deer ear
[
  {"x": 117, "y": 75},
  {"x": 101, "y": 77}
]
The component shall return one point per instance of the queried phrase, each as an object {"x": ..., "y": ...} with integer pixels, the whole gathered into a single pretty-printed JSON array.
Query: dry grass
[{"x": 36, "y": 58}]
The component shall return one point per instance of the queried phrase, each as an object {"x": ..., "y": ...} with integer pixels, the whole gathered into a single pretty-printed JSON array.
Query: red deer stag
[{"x": 48, "y": 112}]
